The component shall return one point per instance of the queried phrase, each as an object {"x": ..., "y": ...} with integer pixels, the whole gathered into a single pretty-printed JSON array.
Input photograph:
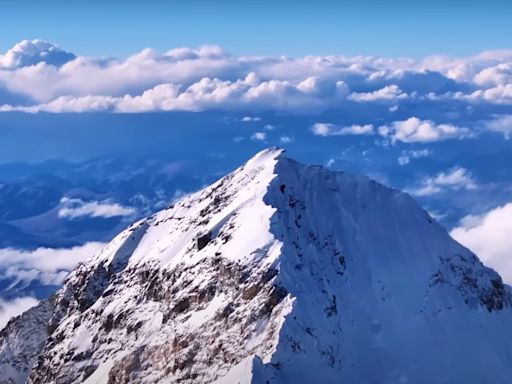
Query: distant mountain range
[
  {"x": 59, "y": 204},
  {"x": 31, "y": 197}
]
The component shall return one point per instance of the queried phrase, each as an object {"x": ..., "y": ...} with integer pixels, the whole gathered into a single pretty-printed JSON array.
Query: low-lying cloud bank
[
  {"x": 74, "y": 208},
  {"x": 48, "y": 265},
  {"x": 39, "y": 76},
  {"x": 488, "y": 235}
]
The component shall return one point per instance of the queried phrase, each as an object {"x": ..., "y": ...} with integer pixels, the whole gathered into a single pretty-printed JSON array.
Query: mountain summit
[{"x": 278, "y": 273}]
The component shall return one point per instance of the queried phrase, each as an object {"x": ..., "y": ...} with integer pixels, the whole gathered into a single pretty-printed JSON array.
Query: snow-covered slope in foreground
[{"x": 282, "y": 273}]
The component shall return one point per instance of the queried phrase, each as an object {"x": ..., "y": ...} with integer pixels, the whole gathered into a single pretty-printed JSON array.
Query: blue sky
[{"x": 295, "y": 28}]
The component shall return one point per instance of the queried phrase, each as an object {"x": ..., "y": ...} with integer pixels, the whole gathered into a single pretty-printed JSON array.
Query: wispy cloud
[
  {"x": 503, "y": 124},
  {"x": 406, "y": 156},
  {"x": 73, "y": 208},
  {"x": 44, "y": 264},
  {"x": 325, "y": 129},
  {"x": 248, "y": 119},
  {"x": 259, "y": 136},
  {"x": 457, "y": 178},
  {"x": 329, "y": 163},
  {"x": 286, "y": 139}
]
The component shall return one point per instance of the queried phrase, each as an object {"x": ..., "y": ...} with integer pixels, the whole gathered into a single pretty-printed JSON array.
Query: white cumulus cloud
[
  {"x": 49, "y": 79},
  {"x": 31, "y": 52},
  {"x": 388, "y": 93},
  {"x": 415, "y": 130},
  {"x": 38, "y": 76}
]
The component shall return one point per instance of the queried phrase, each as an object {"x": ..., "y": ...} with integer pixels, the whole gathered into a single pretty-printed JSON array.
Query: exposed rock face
[
  {"x": 21, "y": 342},
  {"x": 203, "y": 240},
  {"x": 307, "y": 276}
]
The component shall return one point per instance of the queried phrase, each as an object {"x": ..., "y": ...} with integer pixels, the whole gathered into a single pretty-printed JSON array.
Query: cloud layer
[{"x": 39, "y": 76}]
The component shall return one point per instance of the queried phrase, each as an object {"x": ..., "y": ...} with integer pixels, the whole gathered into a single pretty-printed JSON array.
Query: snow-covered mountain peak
[
  {"x": 266, "y": 157},
  {"x": 209, "y": 211},
  {"x": 282, "y": 273}
]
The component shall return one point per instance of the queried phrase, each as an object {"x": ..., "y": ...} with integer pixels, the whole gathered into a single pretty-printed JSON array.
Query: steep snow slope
[{"x": 282, "y": 273}]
